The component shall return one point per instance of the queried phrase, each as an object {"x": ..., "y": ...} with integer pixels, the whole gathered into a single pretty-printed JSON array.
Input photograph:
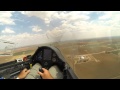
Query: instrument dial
[{"x": 54, "y": 59}]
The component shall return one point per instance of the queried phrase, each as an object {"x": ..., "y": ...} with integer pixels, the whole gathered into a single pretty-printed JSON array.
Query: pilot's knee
[{"x": 56, "y": 72}]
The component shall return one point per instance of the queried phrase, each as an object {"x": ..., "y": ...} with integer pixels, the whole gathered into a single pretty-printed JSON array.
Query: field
[
  {"x": 101, "y": 57},
  {"x": 103, "y": 62},
  {"x": 18, "y": 53}
]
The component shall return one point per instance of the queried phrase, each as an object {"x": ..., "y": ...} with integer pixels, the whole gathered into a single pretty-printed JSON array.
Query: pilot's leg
[
  {"x": 34, "y": 72},
  {"x": 55, "y": 72}
]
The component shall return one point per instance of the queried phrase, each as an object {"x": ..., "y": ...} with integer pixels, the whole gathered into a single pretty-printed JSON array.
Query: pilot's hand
[
  {"x": 45, "y": 74},
  {"x": 23, "y": 73}
]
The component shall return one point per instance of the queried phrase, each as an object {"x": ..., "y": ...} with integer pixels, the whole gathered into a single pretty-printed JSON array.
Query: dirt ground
[{"x": 99, "y": 65}]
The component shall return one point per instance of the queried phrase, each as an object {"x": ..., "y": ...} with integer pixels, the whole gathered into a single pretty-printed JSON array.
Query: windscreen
[{"x": 88, "y": 40}]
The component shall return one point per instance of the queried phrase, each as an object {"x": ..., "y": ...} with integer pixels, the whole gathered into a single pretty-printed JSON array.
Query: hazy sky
[{"x": 34, "y": 27}]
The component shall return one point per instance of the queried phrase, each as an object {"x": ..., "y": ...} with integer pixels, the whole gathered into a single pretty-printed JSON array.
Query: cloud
[
  {"x": 73, "y": 25},
  {"x": 44, "y": 15},
  {"x": 80, "y": 20},
  {"x": 55, "y": 34},
  {"x": 36, "y": 29},
  {"x": 7, "y": 30},
  {"x": 48, "y": 16},
  {"x": 5, "y": 18},
  {"x": 23, "y": 39}
]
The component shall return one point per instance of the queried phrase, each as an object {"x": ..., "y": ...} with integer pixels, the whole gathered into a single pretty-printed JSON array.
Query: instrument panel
[{"x": 46, "y": 57}]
